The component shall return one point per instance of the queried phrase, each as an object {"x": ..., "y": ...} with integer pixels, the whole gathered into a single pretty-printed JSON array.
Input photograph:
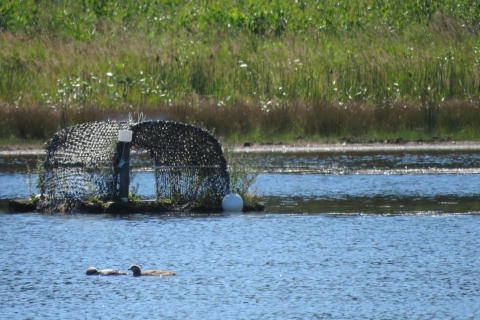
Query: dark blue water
[
  {"x": 242, "y": 267},
  {"x": 343, "y": 236}
]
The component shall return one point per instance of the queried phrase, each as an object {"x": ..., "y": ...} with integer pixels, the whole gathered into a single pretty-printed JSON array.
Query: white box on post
[{"x": 125, "y": 135}]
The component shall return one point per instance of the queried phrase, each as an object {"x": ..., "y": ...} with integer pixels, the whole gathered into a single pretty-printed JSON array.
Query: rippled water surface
[
  {"x": 360, "y": 235},
  {"x": 242, "y": 267}
]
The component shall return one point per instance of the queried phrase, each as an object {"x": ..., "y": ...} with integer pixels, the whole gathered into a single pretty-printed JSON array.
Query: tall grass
[
  {"x": 243, "y": 120},
  {"x": 248, "y": 69}
]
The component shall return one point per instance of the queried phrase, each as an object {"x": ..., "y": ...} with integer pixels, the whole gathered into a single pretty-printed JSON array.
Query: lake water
[{"x": 344, "y": 235}]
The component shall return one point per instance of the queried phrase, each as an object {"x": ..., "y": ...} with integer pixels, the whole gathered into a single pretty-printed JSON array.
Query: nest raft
[
  {"x": 148, "y": 207},
  {"x": 83, "y": 163}
]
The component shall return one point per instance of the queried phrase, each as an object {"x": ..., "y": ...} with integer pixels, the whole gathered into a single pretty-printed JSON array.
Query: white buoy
[{"x": 232, "y": 202}]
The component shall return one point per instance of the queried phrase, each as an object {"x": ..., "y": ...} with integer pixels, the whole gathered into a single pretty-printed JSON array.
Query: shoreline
[
  {"x": 19, "y": 149},
  {"x": 305, "y": 146},
  {"x": 360, "y": 146}
]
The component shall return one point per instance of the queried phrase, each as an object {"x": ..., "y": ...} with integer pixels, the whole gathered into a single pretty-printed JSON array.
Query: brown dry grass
[{"x": 248, "y": 120}]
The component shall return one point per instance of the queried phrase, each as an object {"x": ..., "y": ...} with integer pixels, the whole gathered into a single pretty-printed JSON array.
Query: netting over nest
[
  {"x": 81, "y": 163},
  {"x": 188, "y": 161}
]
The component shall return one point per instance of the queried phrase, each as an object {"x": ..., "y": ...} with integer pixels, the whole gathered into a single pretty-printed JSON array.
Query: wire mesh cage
[
  {"x": 82, "y": 162},
  {"x": 79, "y": 164},
  {"x": 188, "y": 161}
]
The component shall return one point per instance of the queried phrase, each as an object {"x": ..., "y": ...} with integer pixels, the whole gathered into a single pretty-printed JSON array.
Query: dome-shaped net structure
[
  {"x": 188, "y": 161},
  {"x": 81, "y": 163}
]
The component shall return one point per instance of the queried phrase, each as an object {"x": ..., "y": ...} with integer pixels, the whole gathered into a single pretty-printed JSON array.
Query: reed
[
  {"x": 249, "y": 70},
  {"x": 240, "y": 120}
]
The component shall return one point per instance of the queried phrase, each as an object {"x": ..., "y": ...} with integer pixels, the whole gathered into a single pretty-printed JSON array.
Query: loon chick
[
  {"x": 92, "y": 271},
  {"x": 135, "y": 268}
]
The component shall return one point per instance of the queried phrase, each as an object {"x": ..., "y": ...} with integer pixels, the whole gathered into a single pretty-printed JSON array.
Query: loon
[
  {"x": 92, "y": 271},
  {"x": 135, "y": 268}
]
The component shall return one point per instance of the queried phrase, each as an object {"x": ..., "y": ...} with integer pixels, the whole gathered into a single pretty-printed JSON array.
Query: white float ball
[{"x": 232, "y": 202}]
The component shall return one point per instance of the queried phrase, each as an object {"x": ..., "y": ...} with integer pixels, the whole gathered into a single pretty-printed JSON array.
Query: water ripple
[{"x": 242, "y": 266}]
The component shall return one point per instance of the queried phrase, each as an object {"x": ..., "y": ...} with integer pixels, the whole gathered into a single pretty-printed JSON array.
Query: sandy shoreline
[
  {"x": 304, "y": 146},
  {"x": 352, "y": 147},
  {"x": 22, "y": 150}
]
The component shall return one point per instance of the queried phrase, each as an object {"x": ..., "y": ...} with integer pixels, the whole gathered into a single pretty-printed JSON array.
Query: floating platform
[{"x": 113, "y": 207}]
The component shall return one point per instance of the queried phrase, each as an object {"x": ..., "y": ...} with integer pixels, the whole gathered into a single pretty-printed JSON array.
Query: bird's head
[
  {"x": 91, "y": 270},
  {"x": 135, "y": 268}
]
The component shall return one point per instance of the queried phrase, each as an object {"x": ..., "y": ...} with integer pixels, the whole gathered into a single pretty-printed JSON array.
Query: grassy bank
[{"x": 245, "y": 70}]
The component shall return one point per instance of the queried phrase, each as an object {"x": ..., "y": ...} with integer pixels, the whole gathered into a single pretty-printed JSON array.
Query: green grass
[
  {"x": 13, "y": 142},
  {"x": 248, "y": 70}
]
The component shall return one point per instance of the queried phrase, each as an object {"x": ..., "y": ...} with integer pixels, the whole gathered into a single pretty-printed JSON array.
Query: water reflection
[
  {"x": 367, "y": 186},
  {"x": 375, "y": 205},
  {"x": 335, "y": 182},
  {"x": 18, "y": 164},
  {"x": 368, "y": 162}
]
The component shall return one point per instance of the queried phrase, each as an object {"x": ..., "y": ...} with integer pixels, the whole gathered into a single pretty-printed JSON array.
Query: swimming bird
[
  {"x": 135, "y": 268},
  {"x": 92, "y": 271}
]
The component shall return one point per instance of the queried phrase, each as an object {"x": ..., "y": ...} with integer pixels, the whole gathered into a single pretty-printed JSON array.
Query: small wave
[{"x": 373, "y": 171}]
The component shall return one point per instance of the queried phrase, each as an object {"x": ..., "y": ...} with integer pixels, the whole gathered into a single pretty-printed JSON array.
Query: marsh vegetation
[{"x": 244, "y": 69}]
